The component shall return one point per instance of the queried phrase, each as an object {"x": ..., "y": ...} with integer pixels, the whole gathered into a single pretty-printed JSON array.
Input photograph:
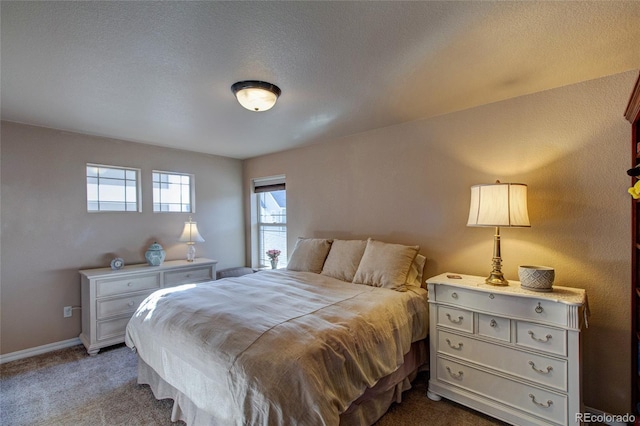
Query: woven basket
[{"x": 536, "y": 278}]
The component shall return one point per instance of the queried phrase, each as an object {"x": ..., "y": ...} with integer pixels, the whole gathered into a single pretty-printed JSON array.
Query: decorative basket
[{"x": 536, "y": 278}]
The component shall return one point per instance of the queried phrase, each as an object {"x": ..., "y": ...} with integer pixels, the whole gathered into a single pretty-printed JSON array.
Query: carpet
[{"x": 68, "y": 387}]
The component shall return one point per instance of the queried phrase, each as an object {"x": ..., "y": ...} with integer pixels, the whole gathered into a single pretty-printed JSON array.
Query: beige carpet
[{"x": 68, "y": 387}]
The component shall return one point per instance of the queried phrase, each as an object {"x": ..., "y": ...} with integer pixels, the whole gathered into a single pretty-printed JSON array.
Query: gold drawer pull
[
  {"x": 454, "y": 375},
  {"x": 533, "y": 366},
  {"x": 540, "y": 404},
  {"x": 458, "y": 321},
  {"x": 545, "y": 340},
  {"x": 459, "y": 346}
]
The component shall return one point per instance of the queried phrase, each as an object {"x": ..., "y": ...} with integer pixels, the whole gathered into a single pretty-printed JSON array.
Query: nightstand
[
  {"x": 110, "y": 297},
  {"x": 508, "y": 352}
]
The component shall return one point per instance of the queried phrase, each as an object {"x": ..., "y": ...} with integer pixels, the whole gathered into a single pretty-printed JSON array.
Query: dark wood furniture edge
[{"x": 632, "y": 113}]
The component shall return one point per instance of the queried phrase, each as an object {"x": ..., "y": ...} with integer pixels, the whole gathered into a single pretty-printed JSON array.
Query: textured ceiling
[{"x": 160, "y": 72}]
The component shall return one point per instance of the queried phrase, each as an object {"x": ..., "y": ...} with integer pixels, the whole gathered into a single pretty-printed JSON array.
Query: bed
[{"x": 304, "y": 345}]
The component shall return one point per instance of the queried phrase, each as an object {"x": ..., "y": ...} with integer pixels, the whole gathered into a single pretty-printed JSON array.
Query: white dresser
[
  {"x": 110, "y": 297},
  {"x": 511, "y": 353}
]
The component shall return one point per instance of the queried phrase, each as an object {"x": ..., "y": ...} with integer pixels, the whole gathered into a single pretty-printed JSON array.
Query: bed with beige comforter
[{"x": 276, "y": 347}]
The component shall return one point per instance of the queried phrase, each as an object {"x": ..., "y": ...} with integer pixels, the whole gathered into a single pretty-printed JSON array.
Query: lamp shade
[
  {"x": 499, "y": 204},
  {"x": 190, "y": 233},
  {"x": 256, "y": 95}
]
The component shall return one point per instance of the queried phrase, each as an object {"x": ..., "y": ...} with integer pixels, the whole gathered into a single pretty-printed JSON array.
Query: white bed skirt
[{"x": 365, "y": 411}]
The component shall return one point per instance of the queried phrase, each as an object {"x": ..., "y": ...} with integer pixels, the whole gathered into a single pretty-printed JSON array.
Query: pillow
[
  {"x": 343, "y": 259},
  {"x": 309, "y": 255},
  {"x": 385, "y": 265},
  {"x": 414, "y": 277}
]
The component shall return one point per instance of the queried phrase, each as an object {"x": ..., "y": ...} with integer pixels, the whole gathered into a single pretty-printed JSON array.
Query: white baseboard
[{"x": 38, "y": 350}]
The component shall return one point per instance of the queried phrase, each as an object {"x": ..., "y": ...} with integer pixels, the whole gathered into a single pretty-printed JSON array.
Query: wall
[
  {"x": 47, "y": 234},
  {"x": 410, "y": 184}
]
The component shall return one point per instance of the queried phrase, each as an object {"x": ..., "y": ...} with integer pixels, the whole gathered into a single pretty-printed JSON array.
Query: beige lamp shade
[
  {"x": 190, "y": 233},
  {"x": 499, "y": 204}
]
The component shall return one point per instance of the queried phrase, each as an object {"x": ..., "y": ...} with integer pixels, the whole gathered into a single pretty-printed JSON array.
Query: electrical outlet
[{"x": 67, "y": 311}]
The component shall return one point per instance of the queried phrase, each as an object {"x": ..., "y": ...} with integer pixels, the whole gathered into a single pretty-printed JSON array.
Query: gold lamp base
[{"x": 496, "y": 277}]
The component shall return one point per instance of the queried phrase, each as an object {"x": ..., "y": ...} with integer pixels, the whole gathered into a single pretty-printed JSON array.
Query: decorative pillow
[
  {"x": 309, "y": 255},
  {"x": 385, "y": 265},
  {"x": 414, "y": 277},
  {"x": 343, "y": 259}
]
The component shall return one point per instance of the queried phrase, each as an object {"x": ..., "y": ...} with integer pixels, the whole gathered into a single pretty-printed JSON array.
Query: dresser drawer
[
  {"x": 130, "y": 284},
  {"x": 530, "y": 308},
  {"x": 541, "y": 369},
  {"x": 188, "y": 275},
  {"x": 533, "y": 400},
  {"x": 542, "y": 338},
  {"x": 118, "y": 306},
  {"x": 455, "y": 318},
  {"x": 494, "y": 327},
  {"x": 111, "y": 328}
]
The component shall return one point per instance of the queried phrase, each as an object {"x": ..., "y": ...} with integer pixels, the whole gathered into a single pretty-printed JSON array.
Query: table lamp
[
  {"x": 190, "y": 235},
  {"x": 498, "y": 205}
]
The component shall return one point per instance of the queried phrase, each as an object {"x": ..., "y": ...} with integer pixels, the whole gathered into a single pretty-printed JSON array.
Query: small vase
[
  {"x": 274, "y": 263},
  {"x": 155, "y": 255}
]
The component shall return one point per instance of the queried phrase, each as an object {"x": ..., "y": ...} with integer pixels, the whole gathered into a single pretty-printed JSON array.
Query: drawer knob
[
  {"x": 131, "y": 303},
  {"x": 491, "y": 296},
  {"x": 547, "y": 371},
  {"x": 493, "y": 323},
  {"x": 545, "y": 340},
  {"x": 129, "y": 284},
  {"x": 458, "y": 346},
  {"x": 455, "y": 375},
  {"x": 458, "y": 321},
  {"x": 188, "y": 275},
  {"x": 540, "y": 404},
  {"x": 539, "y": 309},
  {"x": 454, "y": 295}
]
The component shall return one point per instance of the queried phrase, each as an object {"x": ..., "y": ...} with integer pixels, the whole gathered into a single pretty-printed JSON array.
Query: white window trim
[
  {"x": 192, "y": 190},
  {"x": 255, "y": 227},
  {"x": 138, "y": 188}
]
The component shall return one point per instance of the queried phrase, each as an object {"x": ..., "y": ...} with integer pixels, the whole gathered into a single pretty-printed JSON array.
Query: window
[
  {"x": 112, "y": 189},
  {"x": 172, "y": 192},
  {"x": 271, "y": 197}
]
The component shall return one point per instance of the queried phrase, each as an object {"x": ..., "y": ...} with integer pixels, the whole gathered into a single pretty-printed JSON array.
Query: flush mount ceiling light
[{"x": 256, "y": 95}]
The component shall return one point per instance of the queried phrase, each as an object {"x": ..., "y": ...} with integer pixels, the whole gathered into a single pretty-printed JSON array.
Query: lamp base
[
  {"x": 191, "y": 252},
  {"x": 496, "y": 278}
]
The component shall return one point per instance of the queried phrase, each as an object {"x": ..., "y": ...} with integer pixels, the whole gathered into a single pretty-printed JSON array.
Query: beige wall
[
  {"x": 410, "y": 184},
  {"x": 47, "y": 234}
]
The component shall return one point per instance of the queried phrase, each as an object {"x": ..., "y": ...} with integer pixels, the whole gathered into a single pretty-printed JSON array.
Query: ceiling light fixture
[{"x": 256, "y": 95}]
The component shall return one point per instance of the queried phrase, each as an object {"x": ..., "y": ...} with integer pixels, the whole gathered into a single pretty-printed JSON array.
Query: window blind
[{"x": 269, "y": 184}]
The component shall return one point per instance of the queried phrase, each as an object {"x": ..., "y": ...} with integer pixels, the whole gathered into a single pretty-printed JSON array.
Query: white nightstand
[
  {"x": 110, "y": 297},
  {"x": 511, "y": 353}
]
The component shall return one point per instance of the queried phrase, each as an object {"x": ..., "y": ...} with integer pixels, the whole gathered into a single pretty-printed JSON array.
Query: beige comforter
[{"x": 276, "y": 347}]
